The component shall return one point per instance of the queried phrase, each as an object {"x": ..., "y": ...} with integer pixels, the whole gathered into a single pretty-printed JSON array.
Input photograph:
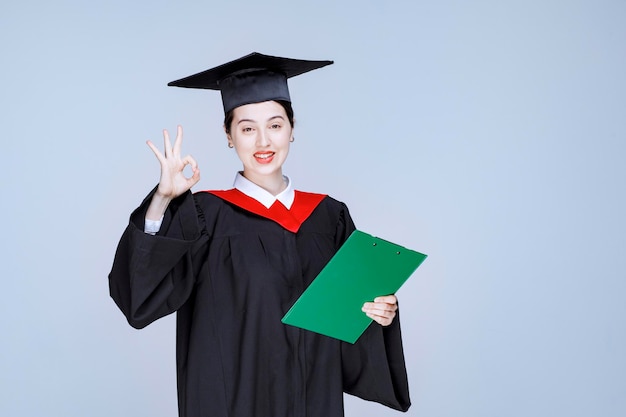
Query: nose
[{"x": 262, "y": 139}]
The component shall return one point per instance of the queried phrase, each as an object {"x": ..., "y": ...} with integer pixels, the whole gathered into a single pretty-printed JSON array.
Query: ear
[{"x": 228, "y": 138}]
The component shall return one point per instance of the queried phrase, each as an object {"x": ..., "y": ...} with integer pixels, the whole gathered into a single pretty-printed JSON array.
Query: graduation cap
[{"x": 250, "y": 79}]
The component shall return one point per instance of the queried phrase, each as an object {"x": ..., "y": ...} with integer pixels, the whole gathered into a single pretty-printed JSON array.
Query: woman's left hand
[{"x": 382, "y": 310}]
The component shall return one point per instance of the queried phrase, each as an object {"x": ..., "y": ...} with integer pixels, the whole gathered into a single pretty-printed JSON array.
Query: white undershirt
[{"x": 250, "y": 189}]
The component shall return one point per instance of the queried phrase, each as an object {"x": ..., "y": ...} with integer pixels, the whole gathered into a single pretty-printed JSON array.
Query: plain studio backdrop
[{"x": 488, "y": 134}]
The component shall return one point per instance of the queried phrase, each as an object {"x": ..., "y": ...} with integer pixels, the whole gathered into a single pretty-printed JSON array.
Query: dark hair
[{"x": 228, "y": 117}]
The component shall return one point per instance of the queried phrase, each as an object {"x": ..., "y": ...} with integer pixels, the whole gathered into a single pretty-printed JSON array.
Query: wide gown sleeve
[
  {"x": 374, "y": 368},
  {"x": 153, "y": 276}
]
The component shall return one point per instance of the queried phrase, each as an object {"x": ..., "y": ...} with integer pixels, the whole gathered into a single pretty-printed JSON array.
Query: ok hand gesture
[{"x": 173, "y": 181}]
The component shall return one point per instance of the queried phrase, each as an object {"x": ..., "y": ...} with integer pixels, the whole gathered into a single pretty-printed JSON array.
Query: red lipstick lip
[{"x": 265, "y": 160}]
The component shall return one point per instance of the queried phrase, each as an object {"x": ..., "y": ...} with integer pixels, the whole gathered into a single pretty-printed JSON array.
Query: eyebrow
[{"x": 278, "y": 116}]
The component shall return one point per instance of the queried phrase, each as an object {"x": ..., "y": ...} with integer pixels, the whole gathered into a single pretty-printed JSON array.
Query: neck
[{"x": 273, "y": 184}]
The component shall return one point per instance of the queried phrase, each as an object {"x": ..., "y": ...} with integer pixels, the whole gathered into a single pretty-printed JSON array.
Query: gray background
[{"x": 487, "y": 134}]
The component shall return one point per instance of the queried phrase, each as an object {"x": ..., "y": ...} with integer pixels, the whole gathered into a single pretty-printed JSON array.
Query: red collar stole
[{"x": 291, "y": 219}]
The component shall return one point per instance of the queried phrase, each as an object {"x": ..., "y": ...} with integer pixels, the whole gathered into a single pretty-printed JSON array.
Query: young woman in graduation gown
[{"x": 232, "y": 262}]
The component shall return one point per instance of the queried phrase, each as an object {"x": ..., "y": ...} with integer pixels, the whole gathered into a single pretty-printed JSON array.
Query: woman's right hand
[{"x": 173, "y": 181}]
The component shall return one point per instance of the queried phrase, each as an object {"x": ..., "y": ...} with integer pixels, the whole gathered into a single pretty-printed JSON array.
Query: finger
[
  {"x": 389, "y": 299},
  {"x": 156, "y": 150},
  {"x": 178, "y": 143},
  {"x": 167, "y": 144},
  {"x": 385, "y": 320},
  {"x": 189, "y": 160},
  {"x": 193, "y": 180},
  {"x": 390, "y": 304},
  {"x": 380, "y": 309}
]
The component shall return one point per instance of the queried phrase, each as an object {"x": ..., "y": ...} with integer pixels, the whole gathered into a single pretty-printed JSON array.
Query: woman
[{"x": 231, "y": 263}]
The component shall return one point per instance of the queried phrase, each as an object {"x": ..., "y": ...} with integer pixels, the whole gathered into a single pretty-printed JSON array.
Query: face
[{"x": 261, "y": 133}]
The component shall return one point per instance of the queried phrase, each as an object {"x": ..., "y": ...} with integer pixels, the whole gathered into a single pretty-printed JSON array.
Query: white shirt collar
[{"x": 264, "y": 197}]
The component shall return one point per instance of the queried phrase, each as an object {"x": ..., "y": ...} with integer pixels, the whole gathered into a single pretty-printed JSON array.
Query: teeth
[{"x": 263, "y": 155}]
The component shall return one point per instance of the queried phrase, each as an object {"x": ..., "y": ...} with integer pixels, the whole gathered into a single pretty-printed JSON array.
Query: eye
[
  {"x": 275, "y": 126},
  {"x": 246, "y": 129}
]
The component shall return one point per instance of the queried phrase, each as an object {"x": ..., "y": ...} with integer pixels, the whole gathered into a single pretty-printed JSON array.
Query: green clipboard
[{"x": 365, "y": 267}]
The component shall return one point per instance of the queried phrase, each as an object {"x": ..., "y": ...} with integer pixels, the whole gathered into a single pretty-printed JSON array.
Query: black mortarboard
[{"x": 250, "y": 79}]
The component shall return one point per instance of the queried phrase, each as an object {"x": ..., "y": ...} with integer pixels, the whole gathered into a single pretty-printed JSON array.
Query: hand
[
  {"x": 173, "y": 181},
  {"x": 382, "y": 310}
]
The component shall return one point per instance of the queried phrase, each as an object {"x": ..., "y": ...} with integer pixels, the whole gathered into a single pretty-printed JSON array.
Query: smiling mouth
[{"x": 264, "y": 157}]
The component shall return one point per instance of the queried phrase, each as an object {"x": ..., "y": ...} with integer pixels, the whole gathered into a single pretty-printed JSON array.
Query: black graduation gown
[{"x": 231, "y": 275}]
